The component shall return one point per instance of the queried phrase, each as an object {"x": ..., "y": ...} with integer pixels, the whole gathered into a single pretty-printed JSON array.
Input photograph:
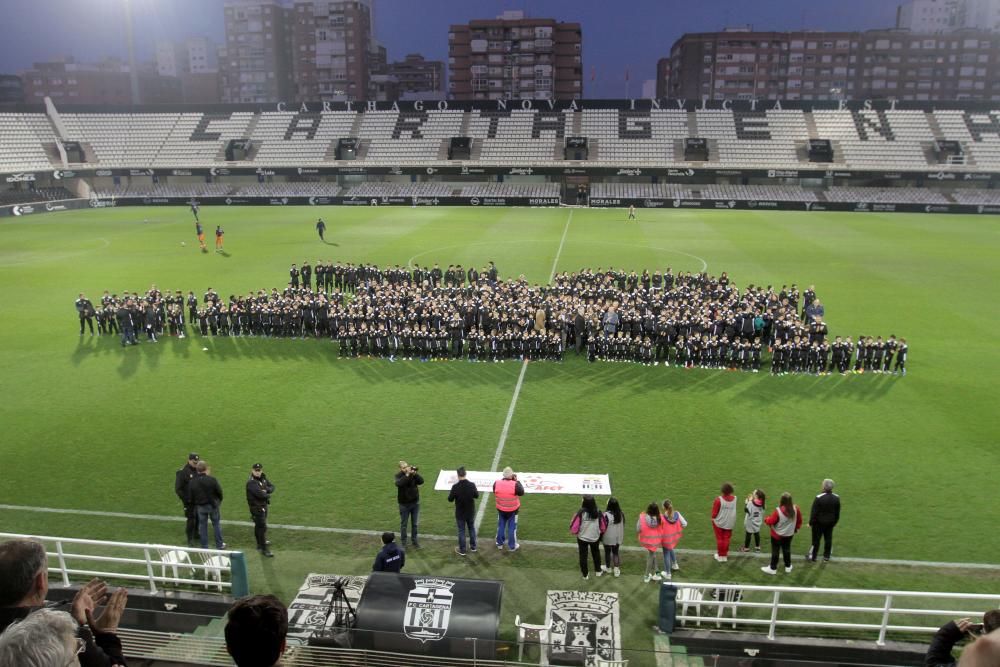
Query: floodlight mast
[{"x": 133, "y": 70}]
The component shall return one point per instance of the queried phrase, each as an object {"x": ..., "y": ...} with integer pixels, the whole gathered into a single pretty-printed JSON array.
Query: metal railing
[
  {"x": 150, "y": 564},
  {"x": 776, "y": 607},
  {"x": 210, "y": 651}
]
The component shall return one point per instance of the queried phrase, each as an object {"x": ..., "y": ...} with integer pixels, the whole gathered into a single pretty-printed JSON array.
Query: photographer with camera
[
  {"x": 259, "y": 491},
  {"x": 408, "y": 497},
  {"x": 952, "y": 632}
]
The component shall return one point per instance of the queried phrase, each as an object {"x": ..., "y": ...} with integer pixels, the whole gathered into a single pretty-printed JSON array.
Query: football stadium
[{"x": 606, "y": 370}]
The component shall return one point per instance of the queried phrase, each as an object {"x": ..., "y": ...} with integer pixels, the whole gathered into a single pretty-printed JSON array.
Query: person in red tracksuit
[
  {"x": 723, "y": 520},
  {"x": 784, "y": 521}
]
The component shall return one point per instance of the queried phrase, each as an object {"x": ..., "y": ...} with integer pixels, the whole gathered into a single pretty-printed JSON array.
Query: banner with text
[{"x": 533, "y": 482}]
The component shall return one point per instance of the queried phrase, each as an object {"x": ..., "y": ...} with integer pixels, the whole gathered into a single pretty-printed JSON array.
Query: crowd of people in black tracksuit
[{"x": 429, "y": 313}]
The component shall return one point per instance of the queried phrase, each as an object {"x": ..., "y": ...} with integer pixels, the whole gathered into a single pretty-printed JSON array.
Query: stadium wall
[{"x": 21, "y": 210}]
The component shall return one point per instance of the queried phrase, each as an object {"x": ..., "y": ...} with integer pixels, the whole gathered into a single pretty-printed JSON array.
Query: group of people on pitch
[
  {"x": 784, "y": 522},
  {"x": 688, "y": 320}
]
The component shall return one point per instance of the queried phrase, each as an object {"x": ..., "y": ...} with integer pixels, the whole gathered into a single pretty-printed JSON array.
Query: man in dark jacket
[
  {"x": 408, "y": 497},
  {"x": 24, "y": 583},
  {"x": 952, "y": 632},
  {"x": 205, "y": 493},
  {"x": 181, "y": 480},
  {"x": 464, "y": 494},
  {"x": 824, "y": 516},
  {"x": 259, "y": 490},
  {"x": 391, "y": 558}
]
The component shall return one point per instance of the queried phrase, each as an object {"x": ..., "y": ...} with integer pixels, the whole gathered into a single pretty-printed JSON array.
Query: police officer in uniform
[
  {"x": 183, "y": 477},
  {"x": 259, "y": 490}
]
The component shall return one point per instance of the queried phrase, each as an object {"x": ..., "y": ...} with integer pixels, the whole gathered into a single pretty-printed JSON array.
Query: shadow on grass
[{"x": 587, "y": 378}]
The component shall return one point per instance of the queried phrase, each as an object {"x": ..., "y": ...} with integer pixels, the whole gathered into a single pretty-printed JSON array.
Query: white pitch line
[
  {"x": 483, "y": 501},
  {"x": 535, "y": 543},
  {"x": 562, "y": 241}
]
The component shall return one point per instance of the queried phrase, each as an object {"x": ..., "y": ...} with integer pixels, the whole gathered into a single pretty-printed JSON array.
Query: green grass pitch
[{"x": 88, "y": 425}]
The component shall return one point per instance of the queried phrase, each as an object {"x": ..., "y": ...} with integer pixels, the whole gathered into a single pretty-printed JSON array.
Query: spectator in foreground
[
  {"x": 984, "y": 652},
  {"x": 952, "y": 632},
  {"x": 24, "y": 583},
  {"x": 256, "y": 630},
  {"x": 391, "y": 558},
  {"x": 45, "y": 638}
]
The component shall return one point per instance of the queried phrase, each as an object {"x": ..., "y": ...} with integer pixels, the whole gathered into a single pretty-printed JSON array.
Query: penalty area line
[{"x": 445, "y": 538}]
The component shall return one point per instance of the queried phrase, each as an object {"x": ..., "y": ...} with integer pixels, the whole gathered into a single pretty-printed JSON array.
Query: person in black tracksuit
[
  {"x": 824, "y": 516},
  {"x": 183, "y": 477},
  {"x": 85, "y": 310},
  {"x": 259, "y": 491}
]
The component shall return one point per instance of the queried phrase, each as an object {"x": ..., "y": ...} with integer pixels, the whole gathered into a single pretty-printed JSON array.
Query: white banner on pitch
[{"x": 533, "y": 482}]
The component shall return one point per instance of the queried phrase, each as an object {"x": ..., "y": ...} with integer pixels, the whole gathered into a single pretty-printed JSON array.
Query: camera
[
  {"x": 414, "y": 468},
  {"x": 975, "y": 629}
]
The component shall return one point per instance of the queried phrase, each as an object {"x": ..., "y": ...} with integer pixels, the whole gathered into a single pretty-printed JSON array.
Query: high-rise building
[
  {"x": 255, "y": 62},
  {"x": 194, "y": 63},
  {"x": 927, "y": 16},
  {"x": 418, "y": 77},
  {"x": 979, "y": 14},
  {"x": 818, "y": 65},
  {"x": 11, "y": 90},
  {"x": 104, "y": 83},
  {"x": 663, "y": 77},
  {"x": 331, "y": 49},
  {"x": 940, "y": 16},
  {"x": 513, "y": 57}
]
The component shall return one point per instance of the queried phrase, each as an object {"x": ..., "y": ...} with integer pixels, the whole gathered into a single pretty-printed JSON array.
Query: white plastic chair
[
  {"x": 174, "y": 559},
  {"x": 690, "y": 597},
  {"x": 611, "y": 663},
  {"x": 214, "y": 566},
  {"x": 727, "y": 600},
  {"x": 528, "y": 631}
]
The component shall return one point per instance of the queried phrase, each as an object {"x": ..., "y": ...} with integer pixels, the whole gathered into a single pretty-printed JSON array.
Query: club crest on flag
[{"x": 428, "y": 610}]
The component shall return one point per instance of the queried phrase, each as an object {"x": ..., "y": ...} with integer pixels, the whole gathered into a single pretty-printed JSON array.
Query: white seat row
[{"x": 511, "y": 190}]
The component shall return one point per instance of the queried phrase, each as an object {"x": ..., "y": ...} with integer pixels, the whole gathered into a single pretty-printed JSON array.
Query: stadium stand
[
  {"x": 400, "y": 190},
  {"x": 21, "y": 139},
  {"x": 633, "y": 137},
  {"x": 675, "y": 191},
  {"x": 738, "y": 138},
  {"x": 157, "y": 190},
  {"x": 977, "y": 197},
  {"x": 401, "y": 137},
  {"x": 510, "y": 190},
  {"x": 862, "y": 139},
  {"x": 886, "y": 195},
  {"x": 757, "y": 192},
  {"x": 38, "y": 194},
  {"x": 289, "y": 190},
  {"x": 641, "y": 190},
  {"x": 517, "y": 136},
  {"x": 287, "y": 138}
]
